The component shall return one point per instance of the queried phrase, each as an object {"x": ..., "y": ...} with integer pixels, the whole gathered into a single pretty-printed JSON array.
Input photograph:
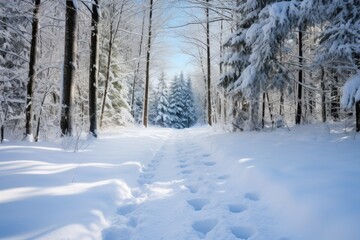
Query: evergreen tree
[
  {"x": 181, "y": 108},
  {"x": 190, "y": 105},
  {"x": 153, "y": 103},
  {"x": 237, "y": 59},
  {"x": 177, "y": 104},
  {"x": 139, "y": 101},
  {"x": 115, "y": 108},
  {"x": 162, "y": 112}
]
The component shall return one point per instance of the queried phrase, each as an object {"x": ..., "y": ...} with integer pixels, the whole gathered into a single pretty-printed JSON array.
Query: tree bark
[
  {"x": 263, "y": 110},
  {"x": 94, "y": 63},
  {"x": 282, "y": 103},
  {"x": 357, "y": 113},
  {"x": 66, "y": 122},
  {"x": 300, "y": 79},
  {"x": 32, "y": 71},
  {"x": 147, "y": 74},
  {"x": 208, "y": 63},
  {"x": 323, "y": 96},
  {"x": 2, "y": 133},
  {"x": 270, "y": 108},
  {"x": 335, "y": 101}
]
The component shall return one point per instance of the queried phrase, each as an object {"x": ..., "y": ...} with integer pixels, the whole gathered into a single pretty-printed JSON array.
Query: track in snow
[{"x": 183, "y": 194}]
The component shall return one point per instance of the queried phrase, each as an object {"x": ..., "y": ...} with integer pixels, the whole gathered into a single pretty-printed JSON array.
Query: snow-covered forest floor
[{"x": 198, "y": 183}]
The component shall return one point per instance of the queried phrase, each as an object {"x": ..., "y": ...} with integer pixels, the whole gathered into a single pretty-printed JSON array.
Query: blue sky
[{"x": 177, "y": 60}]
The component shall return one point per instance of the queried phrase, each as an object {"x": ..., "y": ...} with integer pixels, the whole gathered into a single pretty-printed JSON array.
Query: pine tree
[
  {"x": 190, "y": 105},
  {"x": 176, "y": 104},
  {"x": 115, "y": 108},
  {"x": 162, "y": 112},
  {"x": 153, "y": 103},
  {"x": 237, "y": 59},
  {"x": 182, "y": 110}
]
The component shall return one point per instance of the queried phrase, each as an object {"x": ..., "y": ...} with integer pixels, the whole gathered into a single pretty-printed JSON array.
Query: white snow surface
[{"x": 199, "y": 183}]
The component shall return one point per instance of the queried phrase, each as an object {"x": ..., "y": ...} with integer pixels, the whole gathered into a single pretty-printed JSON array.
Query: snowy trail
[
  {"x": 183, "y": 194},
  {"x": 200, "y": 183}
]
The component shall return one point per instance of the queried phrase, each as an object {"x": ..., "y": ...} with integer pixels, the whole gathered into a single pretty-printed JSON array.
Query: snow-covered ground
[{"x": 197, "y": 183}]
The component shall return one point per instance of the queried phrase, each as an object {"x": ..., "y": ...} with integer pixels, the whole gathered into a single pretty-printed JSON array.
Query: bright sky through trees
[{"x": 177, "y": 60}]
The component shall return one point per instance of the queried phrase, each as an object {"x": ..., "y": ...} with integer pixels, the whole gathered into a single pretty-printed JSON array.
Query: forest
[
  {"x": 73, "y": 66},
  {"x": 180, "y": 119}
]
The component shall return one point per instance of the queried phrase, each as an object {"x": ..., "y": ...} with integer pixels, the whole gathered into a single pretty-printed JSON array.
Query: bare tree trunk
[
  {"x": 263, "y": 111},
  {"x": 335, "y": 101},
  {"x": 223, "y": 102},
  {"x": 32, "y": 71},
  {"x": 323, "y": 96},
  {"x": 357, "y": 113},
  {"x": 69, "y": 69},
  {"x": 224, "y": 108},
  {"x": 300, "y": 79},
  {"x": 2, "y": 133},
  {"x": 136, "y": 72},
  {"x": 208, "y": 63},
  {"x": 147, "y": 76},
  {"x": 281, "y": 107},
  {"x": 254, "y": 110},
  {"x": 39, "y": 119},
  {"x": 221, "y": 45},
  {"x": 282, "y": 104},
  {"x": 94, "y": 63},
  {"x": 270, "y": 108}
]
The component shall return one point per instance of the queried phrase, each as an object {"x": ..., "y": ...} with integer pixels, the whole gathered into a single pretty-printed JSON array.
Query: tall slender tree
[
  {"x": 162, "y": 112},
  {"x": 32, "y": 72},
  {"x": 147, "y": 74},
  {"x": 208, "y": 58},
  {"x": 93, "y": 75},
  {"x": 66, "y": 122},
  {"x": 300, "y": 79}
]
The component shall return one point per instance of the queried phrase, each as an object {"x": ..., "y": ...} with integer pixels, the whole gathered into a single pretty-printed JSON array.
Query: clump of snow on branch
[{"x": 351, "y": 92}]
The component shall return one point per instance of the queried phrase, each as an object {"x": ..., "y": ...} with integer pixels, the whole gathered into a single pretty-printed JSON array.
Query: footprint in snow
[
  {"x": 209, "y": 163},
  {"x": 236, "y": 208},
  {"x": 182, "y": 161},
  {"x": 198, "y": 203},
  {"x": 124, "y": 210},
  {"x": 223, "y": 177},
  {"x": 187, "y": 171},
  {"x": 116, "y": 232},
  {"x": 242, "y": 232},
  {"x": 204, "y": 226},
  {"x": 133, "y": 222},
  {"x": 206, "y": 155},
  {"x": 153, "y": 164},
  {"x": 183, "y": 165},
  {"x": 147, "y": 175},
  {"x": 192, "y": 188},
  {"x": 252, "y": 196}
]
